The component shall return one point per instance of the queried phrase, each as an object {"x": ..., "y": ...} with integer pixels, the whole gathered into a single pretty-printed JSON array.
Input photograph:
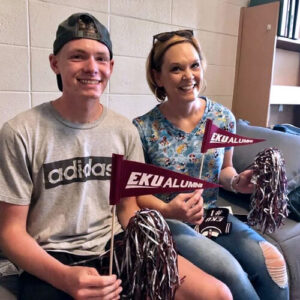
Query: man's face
[{"x": 85, "y": 68}]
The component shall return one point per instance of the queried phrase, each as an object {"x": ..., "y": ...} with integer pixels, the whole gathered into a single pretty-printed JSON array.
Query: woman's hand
[
  {"x": 243, "y": 183},
  {"x": 186, "y": 207}
]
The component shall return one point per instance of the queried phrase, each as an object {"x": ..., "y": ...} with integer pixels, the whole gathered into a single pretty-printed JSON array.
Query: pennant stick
[
  {"x": 201, "y": 166},
  {"x": 112, "y": 240}
]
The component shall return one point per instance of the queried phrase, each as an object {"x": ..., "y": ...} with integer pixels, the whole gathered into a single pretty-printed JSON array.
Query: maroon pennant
[
  {"x": 131, "y": 178},
  {"x": 215, "y": 137}
]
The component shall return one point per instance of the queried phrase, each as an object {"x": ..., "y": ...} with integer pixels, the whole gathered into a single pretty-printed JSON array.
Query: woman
[{"x": 172, "y": 134}]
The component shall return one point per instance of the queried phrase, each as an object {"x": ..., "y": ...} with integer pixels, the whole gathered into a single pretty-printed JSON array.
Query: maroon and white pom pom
[
  {"x": 269, "y": 200},
  {"x": 149, "y": 259}
]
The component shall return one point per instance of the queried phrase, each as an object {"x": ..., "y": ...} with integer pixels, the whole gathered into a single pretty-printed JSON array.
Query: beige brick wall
[{"x": 27, "y": 31}]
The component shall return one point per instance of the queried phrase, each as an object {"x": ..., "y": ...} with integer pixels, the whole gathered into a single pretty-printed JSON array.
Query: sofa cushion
[
  {"x": 288, "y": 144},
  {"x": 294, "y": 204}
]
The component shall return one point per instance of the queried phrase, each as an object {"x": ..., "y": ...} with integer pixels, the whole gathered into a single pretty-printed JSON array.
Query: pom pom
[
  {"x": 149, "y": 258},
  {"x": 269, "y": 200}
]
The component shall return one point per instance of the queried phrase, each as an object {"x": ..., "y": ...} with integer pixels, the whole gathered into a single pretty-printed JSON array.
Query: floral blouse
[{"x": 168, "y": 146}]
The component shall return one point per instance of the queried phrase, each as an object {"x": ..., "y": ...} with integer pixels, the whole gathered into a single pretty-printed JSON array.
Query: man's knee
[{"x": 275, "y": 263}]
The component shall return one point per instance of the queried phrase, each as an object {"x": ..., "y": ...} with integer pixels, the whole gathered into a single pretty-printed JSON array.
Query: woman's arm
[
  {"x": 187, "y": 207},
  {"x": 231, "y": 180}
]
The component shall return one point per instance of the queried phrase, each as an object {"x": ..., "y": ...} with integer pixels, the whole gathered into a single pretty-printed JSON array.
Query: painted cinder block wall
[{"x": 27, "y": 31}]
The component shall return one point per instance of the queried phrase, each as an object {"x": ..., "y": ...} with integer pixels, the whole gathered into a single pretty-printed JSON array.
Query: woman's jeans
[{"x": 236, "y": 259}]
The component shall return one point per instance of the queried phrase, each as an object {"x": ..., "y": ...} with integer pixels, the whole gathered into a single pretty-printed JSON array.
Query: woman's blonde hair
[{"x": 155, "y": 61}]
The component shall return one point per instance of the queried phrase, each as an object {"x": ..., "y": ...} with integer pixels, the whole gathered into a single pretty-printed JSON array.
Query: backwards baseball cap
[{"x": 80, "y": 26}]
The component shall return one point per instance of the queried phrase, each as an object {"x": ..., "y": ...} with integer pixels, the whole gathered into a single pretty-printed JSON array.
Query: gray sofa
[{"x": 287, "y": 237}]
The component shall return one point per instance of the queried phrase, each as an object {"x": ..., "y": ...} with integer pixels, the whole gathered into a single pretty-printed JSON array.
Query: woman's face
[{"x": 181, "y": 73}]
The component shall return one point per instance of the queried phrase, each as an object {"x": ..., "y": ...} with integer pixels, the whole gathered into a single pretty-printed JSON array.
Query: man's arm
[
  {"x": 126, "y": 208},
  {"x": 23, "y": 250}
]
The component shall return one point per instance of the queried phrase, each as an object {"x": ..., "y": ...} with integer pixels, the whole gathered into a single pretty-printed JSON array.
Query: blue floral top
[{"x": 167, "y": 146}]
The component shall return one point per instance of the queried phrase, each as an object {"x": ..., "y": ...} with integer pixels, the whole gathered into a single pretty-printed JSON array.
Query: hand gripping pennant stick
[{"x": 131, "y": 178}]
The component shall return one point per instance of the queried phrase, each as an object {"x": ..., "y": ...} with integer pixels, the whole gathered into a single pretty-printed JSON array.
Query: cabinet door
[{"x": 254, "y": 65}]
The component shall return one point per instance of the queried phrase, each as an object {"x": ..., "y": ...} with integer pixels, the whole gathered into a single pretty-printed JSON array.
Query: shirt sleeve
[
  {"x": 15, "y": 172},
  {"x": 142, "y": 138},
  {"x": 135, "y": 151}
]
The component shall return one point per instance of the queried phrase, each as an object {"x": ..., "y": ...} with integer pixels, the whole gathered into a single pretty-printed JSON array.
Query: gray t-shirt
[{"x": 62, "y": 170}]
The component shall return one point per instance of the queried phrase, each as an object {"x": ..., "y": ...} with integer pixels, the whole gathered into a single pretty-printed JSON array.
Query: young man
[{"x": 55, "y": 177}]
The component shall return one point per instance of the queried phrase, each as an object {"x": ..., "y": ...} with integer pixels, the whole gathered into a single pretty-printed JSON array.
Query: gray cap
[{"x": 80, "y": 26}]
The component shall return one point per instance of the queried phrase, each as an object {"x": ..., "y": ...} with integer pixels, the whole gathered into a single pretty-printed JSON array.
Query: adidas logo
[{"x": 77, "y": 169}]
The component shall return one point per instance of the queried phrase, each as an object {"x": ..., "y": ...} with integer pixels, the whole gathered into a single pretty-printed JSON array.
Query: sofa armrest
[{"x": 288, "y": 144}]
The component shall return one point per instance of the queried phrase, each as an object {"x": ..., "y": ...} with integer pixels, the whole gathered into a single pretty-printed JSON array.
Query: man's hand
[
  {"x": 84, "y": 283},
  {"x": 186, "y": 207}
]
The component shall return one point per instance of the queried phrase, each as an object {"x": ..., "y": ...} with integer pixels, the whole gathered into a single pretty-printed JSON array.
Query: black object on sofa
[{"x": 287, "y": 237}]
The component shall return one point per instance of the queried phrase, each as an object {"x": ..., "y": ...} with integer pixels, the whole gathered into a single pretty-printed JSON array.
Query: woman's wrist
[
  {"x": 234, "y": 182},
  {"x": 165, "y": 210}
]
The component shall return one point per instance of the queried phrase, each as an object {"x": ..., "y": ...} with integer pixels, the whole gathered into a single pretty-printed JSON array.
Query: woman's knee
[
  {"x": 275, "y": 264},
  {"x": 223, "y": 292},
  {"x": 197, "y": 284}
]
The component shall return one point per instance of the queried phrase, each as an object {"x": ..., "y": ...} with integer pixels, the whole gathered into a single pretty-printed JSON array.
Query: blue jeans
[{"x": 235, "y": 259}]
